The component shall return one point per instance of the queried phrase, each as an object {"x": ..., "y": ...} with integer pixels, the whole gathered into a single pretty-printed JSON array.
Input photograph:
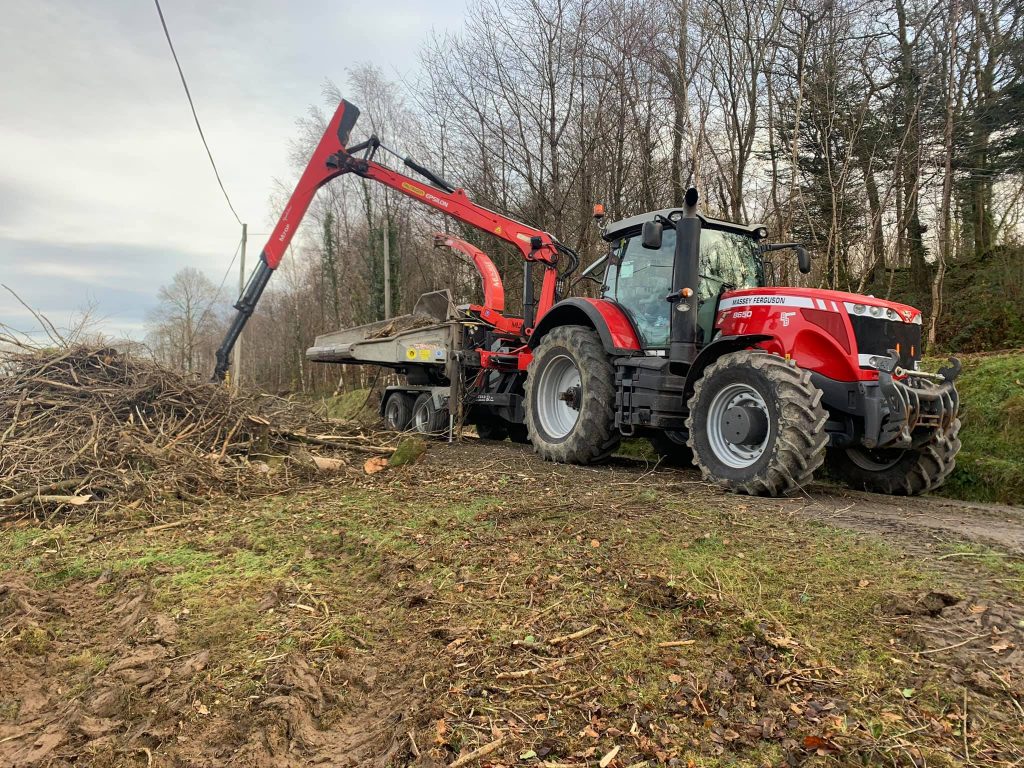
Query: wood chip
[
  {"x": 476, "y": 754},
  {"x": 676, "y": 643},
  {"x": 573, "y": 635},
  {"x": 609, "y": 757}
]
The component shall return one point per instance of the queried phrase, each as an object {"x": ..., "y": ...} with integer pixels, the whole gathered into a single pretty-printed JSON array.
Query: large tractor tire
[
  {"x": 398, "y": 412},
  {"x": 757, "y": 424},
  {"x": 896, "y": 471},
  {"x": 518, "y": 433},
  {"x": 672, "y": 447},
  {"x": 492, "y": 429},
  {"x": 428, "y": 419},
  {"x": 570, "y": 397}
]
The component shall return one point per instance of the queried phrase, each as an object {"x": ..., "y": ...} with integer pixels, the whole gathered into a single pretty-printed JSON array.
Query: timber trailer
[{"x": 687, "y": 345}]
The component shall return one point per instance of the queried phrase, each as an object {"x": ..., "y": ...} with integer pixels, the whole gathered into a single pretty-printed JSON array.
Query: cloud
[
  {"x": 105, "y": 186},
  {"x": 59, "y": 280}
]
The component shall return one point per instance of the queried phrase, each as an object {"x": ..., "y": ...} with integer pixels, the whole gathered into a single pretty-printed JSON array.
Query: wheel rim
[
  {"x": 559, "y": 392},
  {"x": 391, "y": 414},
  {"x": 735, "y": 454},
  {"x": 874, "y": 461},
  {"x": 422, "y": 419}
]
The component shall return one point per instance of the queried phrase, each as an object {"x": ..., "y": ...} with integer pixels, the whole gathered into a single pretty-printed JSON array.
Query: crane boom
[{"x": 331, "y": 159}]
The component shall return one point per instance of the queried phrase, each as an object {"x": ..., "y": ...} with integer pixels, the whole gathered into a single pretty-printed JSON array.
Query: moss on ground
[{"x": 354, "y": 405}]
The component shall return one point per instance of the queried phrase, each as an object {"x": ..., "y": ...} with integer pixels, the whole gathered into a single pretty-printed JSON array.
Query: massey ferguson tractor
[{"x": 687, "y": 345}]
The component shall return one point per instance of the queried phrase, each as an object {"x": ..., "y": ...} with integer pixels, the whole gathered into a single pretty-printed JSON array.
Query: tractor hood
[{"x": 813, "y": 298}]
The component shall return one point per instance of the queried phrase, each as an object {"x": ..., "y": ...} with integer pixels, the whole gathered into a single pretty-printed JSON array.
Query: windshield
[
  {"x": 727, "y": 259},
  {"x": 642, "y": 279}
]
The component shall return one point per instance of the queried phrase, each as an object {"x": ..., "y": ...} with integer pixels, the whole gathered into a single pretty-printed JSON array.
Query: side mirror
[
  {"x": 651, "y": 234},
  {"x": 803, "y": 259}
]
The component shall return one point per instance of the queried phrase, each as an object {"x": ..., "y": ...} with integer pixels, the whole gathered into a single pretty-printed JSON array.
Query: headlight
[
  {"x": 859, "y": 309},
  {"x": 875, "y": 311},
  {"x": 891, "y": 315}
]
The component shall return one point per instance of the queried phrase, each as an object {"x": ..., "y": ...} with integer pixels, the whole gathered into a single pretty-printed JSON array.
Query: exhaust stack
[{"x": 685, "y": 276}]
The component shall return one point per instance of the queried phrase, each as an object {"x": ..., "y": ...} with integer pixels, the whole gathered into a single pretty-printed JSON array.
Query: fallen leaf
[
  {"x": 979, "y": 608},
  {"x": 527, "y": 755},
  {"x": 1002, "y": 645},
  {"x": 863, "y": 583},
  {"x": 595, "y": 543},
  {"x": 609, "y": 757},
  {"x": 907, "y": 693},
  {"x": 442, "y": 732},
  {"x": 201, "y": 708},
  {"x": 375, "y": 464},
  {"x": 819, "y": 744}
]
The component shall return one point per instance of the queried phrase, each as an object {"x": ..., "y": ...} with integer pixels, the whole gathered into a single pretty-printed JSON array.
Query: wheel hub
[
  {"x": 738, "y": 425},
  {"x": 571, "y": 397},
  {"x": 745, "y": 425},
  {"x": 560, "y": 396}
]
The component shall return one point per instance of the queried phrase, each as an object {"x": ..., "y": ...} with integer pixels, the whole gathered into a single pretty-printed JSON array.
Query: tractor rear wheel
[
  {"x": 757, "y": 424},
  {"x": 570, "y": 397},
  {"x": 896, "y": 471},
  {"x": 672, "y": 446},
  {"x": 398, "y": 412}
]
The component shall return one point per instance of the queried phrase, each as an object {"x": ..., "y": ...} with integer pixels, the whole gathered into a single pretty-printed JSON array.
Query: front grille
[{"x": 876, "y": 337}]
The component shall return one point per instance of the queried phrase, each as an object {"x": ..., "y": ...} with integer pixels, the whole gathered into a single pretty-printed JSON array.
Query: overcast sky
[{"x": 105, "y": 189}]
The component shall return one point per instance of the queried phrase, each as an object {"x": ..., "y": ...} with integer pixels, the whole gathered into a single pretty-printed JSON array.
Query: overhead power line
[
  {"x": 202, "y": 136},
  {"x": 216, "y": 296}
]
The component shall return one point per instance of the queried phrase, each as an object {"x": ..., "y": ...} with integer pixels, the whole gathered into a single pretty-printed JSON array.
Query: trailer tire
[
  {"x": 742, "y": 396},
  {"x": 570, "y": 371},
  {"x": 428, "y": 419},
  {"x": 898, "y": 472},
  {"x": 398, "y": 412}
]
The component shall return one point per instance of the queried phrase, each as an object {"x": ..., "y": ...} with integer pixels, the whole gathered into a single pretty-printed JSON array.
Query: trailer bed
[{"x": 423, "y": 337}]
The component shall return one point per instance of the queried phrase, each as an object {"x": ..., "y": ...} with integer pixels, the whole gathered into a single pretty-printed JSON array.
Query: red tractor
[{"x": 687, "y": 346}]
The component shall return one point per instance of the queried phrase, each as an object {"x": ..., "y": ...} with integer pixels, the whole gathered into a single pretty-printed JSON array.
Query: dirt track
[
  {"x": 486, "y": 597},
  {"x": 917, "y": 521}
]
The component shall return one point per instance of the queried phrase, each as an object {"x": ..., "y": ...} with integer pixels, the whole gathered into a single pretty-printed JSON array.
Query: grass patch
[
  {"x": 721, "y": 630},
  {"x": 353, "y": 405},
  {"x": 990, "y": 467}
]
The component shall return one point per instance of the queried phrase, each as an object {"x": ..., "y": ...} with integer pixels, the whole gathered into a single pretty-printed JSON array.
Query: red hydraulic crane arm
[{"x": 331, "y": 159}]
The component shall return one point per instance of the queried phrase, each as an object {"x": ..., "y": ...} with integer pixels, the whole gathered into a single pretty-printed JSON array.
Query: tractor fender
[
  {"x": 723, "y": 345},
  {"x": 611, "y": 322}
]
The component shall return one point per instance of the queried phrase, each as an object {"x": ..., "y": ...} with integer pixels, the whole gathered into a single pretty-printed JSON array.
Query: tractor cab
[{"x": 638, "y": 274}]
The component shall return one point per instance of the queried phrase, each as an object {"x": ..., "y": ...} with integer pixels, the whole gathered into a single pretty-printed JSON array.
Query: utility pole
[
  {"x": 387, "y": 264},
  {"x": 236, "y": 363}
]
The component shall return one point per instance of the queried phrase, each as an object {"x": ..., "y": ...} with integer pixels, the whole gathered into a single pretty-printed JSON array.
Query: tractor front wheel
[
  {"x": 492, "y": 429},
  {"x": 897, "y": 471},
  {"x": 570, "y": 397},
  {"x": 756, "y": 424},
  {"x": 672, "y": 447}
]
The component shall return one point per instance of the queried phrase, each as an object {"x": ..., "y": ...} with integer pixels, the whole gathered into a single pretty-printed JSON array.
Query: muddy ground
[{"x": 485, "y": 608}]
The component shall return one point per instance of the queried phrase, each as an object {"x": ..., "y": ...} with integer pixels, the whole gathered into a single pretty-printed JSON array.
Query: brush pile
[{"x": 85, "y": 425}]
